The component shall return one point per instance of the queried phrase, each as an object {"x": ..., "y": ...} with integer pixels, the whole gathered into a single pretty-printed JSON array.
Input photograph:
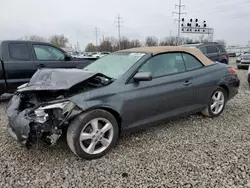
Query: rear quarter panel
[{"x": 207, "y": 79}]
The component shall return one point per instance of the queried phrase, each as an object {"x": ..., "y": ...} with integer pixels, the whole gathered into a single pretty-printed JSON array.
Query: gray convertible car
[{"x": 119, "y": 93}]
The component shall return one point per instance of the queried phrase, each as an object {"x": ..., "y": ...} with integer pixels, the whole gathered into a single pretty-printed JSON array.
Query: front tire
[
  {"x": 216, "y": 104},
  {"x": 92, "y": 134}
]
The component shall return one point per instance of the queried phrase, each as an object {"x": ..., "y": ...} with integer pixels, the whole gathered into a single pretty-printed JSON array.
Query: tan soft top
[{"x": 162, "y": 49}]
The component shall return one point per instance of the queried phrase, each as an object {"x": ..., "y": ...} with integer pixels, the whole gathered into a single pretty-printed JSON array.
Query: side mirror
[
  {"x": 67, "y": 57},
  {"x": 143, "y": 76}
]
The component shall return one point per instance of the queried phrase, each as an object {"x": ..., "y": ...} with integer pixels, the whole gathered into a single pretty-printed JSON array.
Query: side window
[
  {"x": 19, "y": 52},
  {"x": 191, "y": 62},
  {"x": 48, "y": 53},
  {"x": 221, "y": 48},
  {"x": 212, "y": 49},
  {"x": 164, "y": 64},
  {"x": 203, "y": 50}
]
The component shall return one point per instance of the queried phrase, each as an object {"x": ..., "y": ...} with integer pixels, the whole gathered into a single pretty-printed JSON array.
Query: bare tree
[
  {"x": 168, "y": 41},
  {"x": 90, "y": 47},
  {"x": 203, "y": 39},
  {"x": 151, "y": 41},
  {"x": 37, "y": 38},
  {"x": 106, "y": 44},
  {"x": 188, "y": 41},
  {"x": 34, "y": 38},
  {"x": 124, "y": 43},
  {"x": 59, "y": 40},
  {"x": 222, "y": 42},
  {"x": 135, "y": 43},
  {"x": 115, "y": 43}
]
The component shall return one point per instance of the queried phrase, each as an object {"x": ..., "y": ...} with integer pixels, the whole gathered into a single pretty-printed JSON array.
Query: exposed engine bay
[{"x": 37, "y": 112}]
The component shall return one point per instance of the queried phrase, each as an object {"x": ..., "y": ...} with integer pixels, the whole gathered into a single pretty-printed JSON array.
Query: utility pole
[
  {"x": 179, "y": 13},
  {"x": 78, "y": 46},
  {"x": 96, "y": 33},
  {"x": 118, "y": 22},
  {"x": 170, "y": 33}
]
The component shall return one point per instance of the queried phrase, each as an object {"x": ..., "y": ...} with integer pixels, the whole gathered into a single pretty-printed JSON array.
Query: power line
[
  {"x": 96, "y": 33},
  {"x": 118, "y": 21},
  {"x": 179, "y": 13}
]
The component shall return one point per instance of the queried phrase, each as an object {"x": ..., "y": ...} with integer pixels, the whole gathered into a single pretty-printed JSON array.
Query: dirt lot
[{"x": 191, "y": 152}]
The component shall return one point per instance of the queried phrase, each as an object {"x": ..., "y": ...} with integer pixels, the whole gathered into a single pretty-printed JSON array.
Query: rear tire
[
  {"x": 90, "y": 130},
  {"x": 216, "y": 103},
  {"x": 224, "y": 62}
]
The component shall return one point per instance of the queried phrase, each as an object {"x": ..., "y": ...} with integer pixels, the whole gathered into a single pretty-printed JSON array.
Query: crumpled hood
[{"x": 57, "y": 79}]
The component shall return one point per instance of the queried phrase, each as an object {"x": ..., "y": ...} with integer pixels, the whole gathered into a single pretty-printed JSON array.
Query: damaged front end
[
  {"x": 42, "y": 109},
  {"x": 29, "y": 123}
]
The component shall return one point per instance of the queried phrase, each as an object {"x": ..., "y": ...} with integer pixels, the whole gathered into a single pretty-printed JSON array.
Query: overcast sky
[{"x": 76, "y": 19}]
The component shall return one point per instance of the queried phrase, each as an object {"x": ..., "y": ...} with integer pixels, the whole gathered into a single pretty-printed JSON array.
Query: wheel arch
[
  {"x": 114, "y": 113},
  {"x": 111, "y": 110},
  {"x": 225, "y": 87}
]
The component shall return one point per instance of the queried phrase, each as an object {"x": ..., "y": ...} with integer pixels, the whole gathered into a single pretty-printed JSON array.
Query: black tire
[
  {"x": 224, "y": 61},
  {"x": 238, "y": 67},
  {"x": 208, "y": 111},
  {"x": 76, "y": 126}
]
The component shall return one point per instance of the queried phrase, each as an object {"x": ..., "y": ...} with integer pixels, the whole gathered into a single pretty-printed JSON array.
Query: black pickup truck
[{"x": 21, "y": 59}]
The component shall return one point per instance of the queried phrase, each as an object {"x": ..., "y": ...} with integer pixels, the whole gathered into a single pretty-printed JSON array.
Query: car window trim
[
  {"x": 16, "y": 58},
  {"x": 202, "y": 65},
  {"x": 130, "y": 80},
  {"x": 49, "y": 46}
]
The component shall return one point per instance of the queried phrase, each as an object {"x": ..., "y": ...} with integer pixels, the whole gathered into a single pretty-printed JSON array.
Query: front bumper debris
[
  {"x": 45, "y": 121},
  {"x": 19, "y": 125}
]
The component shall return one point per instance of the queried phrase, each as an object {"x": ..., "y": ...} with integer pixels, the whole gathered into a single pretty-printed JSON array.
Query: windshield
[{"x": 116, "y": 64}]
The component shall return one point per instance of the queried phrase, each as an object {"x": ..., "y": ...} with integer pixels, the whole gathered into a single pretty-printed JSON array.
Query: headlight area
[{"x": 49, "y": 120}]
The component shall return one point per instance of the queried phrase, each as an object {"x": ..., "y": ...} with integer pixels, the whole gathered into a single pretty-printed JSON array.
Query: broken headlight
[{"x": 42, "y": 114}]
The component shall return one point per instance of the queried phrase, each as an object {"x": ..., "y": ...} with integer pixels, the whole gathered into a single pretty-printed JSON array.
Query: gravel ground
[{"x": 191, "y": 152}]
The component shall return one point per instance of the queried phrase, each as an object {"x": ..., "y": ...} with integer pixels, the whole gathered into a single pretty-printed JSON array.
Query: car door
[
  {"x": 18, "y": 64},
  {"x": 169, "y": 93},
  {"x": 212, "y": 52},
  {"x": 48, "y": 56},
  {"x": 201, "y": 80}
]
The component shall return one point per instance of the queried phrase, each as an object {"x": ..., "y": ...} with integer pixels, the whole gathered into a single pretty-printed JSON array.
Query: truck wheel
[
  {"x": 224, "y": 61},
  {"x": 216, "y": 103},
  {"x": 92, "y": 134}
]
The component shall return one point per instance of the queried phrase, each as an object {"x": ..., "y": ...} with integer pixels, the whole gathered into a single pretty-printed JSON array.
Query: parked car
[
  {"x": 100, "y": 54},
  {"x": 238, "y": 59},
  {"x": 213, "y": 50},
  {"x": 232, "y": 54},
  {"x": 21, "y": 59},
  {"x": 243, "y": 61},
  {"x": 116, "y": 94}
]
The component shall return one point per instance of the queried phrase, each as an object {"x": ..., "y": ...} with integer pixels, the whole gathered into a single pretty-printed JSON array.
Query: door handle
[
  {"x": 187, "y": 83},
  {"x": 41, "y": 65}
]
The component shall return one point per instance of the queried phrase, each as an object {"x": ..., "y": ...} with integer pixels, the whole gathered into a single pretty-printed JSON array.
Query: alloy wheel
[
  {"x": 217, "y": 102},
  {"x": 96, "y": 136}
]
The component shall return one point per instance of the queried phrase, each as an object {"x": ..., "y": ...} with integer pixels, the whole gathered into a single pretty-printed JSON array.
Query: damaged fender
[{"x": 42, "y": 108}]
